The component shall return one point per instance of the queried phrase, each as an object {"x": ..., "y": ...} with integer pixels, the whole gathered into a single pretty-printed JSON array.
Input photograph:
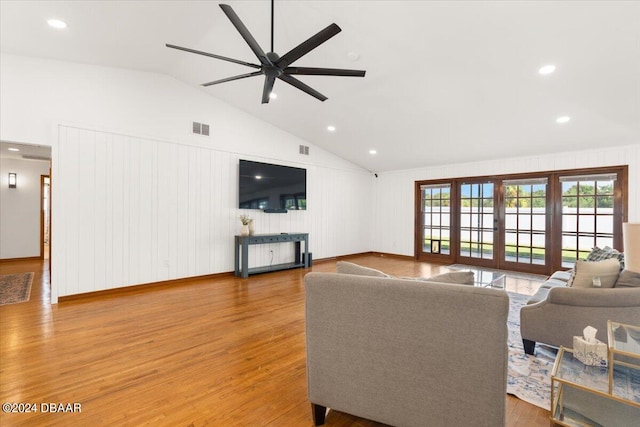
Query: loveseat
[
  {"x": 406, "y": 352},
  {"x": 560, "y": 311}
]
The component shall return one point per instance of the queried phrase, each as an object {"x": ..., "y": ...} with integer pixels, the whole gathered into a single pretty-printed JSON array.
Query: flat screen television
[{"x": 272, "y": 188}]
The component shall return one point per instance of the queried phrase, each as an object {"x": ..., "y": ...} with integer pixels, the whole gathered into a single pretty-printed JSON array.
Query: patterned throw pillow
[{"x": 598, "y": 254}]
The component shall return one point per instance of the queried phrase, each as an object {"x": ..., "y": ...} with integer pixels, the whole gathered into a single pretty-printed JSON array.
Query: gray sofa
[
  {"x": 557, "y": 313},
  {"x": 406, "y": 352}
]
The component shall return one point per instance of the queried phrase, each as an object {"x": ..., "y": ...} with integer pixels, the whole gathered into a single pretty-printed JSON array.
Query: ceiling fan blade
[
  {"x": 268, "y": 87},
  {"x": 246, "y": 35},
  {"x": 211, "y": 55},
  {"x": 303, "y": 87},
  {"x": 229, "y": 79},
  {"x": 308, "y": 45},
  {"x": 310, "y": 71}
]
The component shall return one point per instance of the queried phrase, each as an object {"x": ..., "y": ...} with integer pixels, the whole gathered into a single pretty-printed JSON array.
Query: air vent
[
  {"x": 304, "y": 149},
  {"x": 201, "y": 128}
]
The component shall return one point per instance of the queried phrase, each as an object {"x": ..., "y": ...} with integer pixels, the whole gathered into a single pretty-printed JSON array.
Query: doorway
[{"x": 45, "y": 216}]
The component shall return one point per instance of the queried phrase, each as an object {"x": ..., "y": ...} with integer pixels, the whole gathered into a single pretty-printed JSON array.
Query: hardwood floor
[{"x": 205, "y": 352}]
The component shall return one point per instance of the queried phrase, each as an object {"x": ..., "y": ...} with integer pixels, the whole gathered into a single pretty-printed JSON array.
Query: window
[
  {"x": 534, "y": 222},
  {"x": 525, "y": 220},
  {"x": 587, "y": 215},
  {"x": 477, "y": 220}
]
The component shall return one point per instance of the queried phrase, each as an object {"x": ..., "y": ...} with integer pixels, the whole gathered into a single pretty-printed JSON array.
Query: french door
[
  {"x": 435, "y": 219},
  {"x": 478, "y": 223},
  {"x": 531, "y": 222},
  {"x": 525, "y": 224}
]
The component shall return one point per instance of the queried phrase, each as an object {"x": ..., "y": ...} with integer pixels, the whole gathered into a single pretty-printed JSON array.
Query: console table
[{"x": 241, "y": 247}]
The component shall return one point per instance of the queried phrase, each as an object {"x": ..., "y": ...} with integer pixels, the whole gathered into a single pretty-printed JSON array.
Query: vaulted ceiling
[{"x": 446, "y": 82}]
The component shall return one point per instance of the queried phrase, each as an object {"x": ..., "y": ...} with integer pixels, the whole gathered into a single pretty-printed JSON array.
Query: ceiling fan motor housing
[
  {"x": 272, "y": 70},
  {"x": 273, "y": 57}
]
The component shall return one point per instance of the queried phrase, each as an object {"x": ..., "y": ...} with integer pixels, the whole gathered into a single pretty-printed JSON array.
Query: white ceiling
[
  {"x": 25, "y": 152},
  {"x": 447, "y": 81}
]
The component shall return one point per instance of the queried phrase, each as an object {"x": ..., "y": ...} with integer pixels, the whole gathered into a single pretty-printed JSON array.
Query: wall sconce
[{"x": 13, "y": 180}]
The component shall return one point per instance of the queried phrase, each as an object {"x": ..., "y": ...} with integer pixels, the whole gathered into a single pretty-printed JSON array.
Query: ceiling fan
[{"x": 273, "y": 66}]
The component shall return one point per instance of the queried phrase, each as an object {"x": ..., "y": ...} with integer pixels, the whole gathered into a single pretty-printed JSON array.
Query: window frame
[{"x": 553, "y": 241}]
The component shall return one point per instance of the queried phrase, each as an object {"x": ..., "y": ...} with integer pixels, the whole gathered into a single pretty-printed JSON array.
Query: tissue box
[{"x": 590, "y": 353}]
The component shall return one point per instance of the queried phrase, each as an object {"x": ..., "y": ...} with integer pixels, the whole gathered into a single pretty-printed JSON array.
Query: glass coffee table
[
  {"x": 624, "y": 348},
  {"x": 584, "y": 395},
  {"x": 489, "y": 279}
]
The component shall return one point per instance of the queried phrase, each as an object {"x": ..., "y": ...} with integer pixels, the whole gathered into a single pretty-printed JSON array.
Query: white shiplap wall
[
  {"x": 131, "y": 210},
  {"x": 394, "y": 191}
]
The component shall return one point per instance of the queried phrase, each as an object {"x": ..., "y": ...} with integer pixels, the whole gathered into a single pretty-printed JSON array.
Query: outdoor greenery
[
  {"x": 588, "y": 196},
  {"x": 577, "y": 195},
  {"x": 568, "y": 254}
]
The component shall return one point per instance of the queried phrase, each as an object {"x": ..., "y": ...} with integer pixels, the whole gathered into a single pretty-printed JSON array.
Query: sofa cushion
[
  {"x": 585, "y": 271},
  {"x": 598, "y": 254},
  {"x": 628, "y": 279},
  {"x": 541, "y": 295},
  {"x": 562, "y": 275},
  {"x": 458, "y": 277},
  {"x": 345, "y": 267},
  {"x": 553, "y": 283}
]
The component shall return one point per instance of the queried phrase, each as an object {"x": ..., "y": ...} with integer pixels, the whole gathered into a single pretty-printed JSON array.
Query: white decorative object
[
  {"x": 590, "y": 350},
  {"x": 247, "y": 224},
  {"x": 252, "y": 230},
  {"x": 631, "y": 237}
]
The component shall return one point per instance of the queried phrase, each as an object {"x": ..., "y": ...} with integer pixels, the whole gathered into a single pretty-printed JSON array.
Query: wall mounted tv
[{"x": 272, "y": 188}]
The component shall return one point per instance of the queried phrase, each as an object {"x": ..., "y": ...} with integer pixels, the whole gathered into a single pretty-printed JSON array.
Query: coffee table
[{"x": 489, "y": 279}]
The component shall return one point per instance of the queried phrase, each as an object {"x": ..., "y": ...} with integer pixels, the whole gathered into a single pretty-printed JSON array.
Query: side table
[{"x": 583, "y": 395}]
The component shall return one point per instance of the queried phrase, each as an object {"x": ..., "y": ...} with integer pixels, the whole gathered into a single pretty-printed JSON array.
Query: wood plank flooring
[{"x": 205, "y": 352}]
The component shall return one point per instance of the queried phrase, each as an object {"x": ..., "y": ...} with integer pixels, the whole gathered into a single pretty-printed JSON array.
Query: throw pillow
[
  {"x": 358, "y": 270},
  {"x": 598, "y": 254},
  {"x": 585, "y": 271},
  {"x": 458, "y": 277},
  {"x": 628, "y": 279}
]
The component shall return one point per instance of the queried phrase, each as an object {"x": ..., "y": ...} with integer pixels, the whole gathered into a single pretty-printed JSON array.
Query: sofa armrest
[
  {"x": 567, "y": 311},
  {"x": 592, "y": 297}
]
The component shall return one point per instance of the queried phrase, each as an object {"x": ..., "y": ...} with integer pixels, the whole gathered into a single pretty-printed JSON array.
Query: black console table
[{"x": 301, "y": 259}]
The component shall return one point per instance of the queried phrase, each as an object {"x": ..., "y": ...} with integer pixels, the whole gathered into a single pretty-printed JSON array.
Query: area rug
[
  {"x": 529, "y": 377},
  {"x": 15, "y": 288}
]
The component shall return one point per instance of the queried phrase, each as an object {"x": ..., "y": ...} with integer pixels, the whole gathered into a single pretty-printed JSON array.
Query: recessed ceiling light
[
  {"x": 547, "y": 69},
  {"x": 372, "y": 151},
  {"x": 258, "y": 176},
  {"x": 563, "y": 119},
  {"x": 56, "y": 23},
  {"x": 331, "y": 128},
  {"x": 14, "y": 149},
  {"x": 273, "y": 95}
]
